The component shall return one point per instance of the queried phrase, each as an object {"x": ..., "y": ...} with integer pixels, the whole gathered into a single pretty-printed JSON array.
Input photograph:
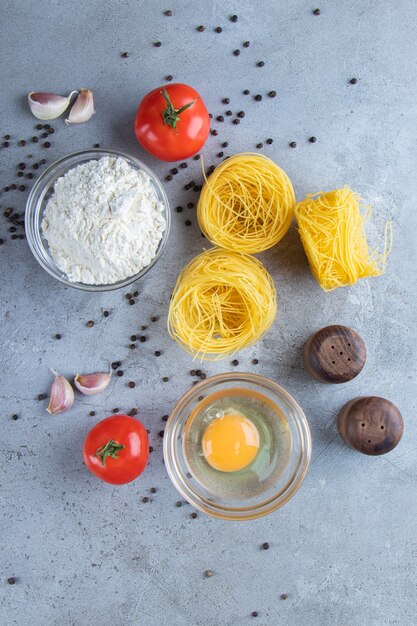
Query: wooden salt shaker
[{"x": 335, "y": 354}]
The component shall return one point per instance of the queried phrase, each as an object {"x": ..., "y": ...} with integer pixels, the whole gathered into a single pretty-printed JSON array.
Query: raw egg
[{"x": 230, "y": 443}]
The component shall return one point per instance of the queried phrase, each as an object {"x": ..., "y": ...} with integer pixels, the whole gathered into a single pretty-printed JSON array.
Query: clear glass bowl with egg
[
  {"x": 237, "y": 446},
  {"x": 42, "y": 191}
]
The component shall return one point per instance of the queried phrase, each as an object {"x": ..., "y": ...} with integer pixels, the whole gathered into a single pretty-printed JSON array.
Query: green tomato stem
[
  {"x": 111, "y": 448},
  {"x": 170, "y": 115}
]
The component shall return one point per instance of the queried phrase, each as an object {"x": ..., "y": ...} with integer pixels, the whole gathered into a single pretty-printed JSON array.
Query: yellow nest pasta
[
  {"x": 223, "y": 301},
  {"x": 247, "y": 204},
  {"x": 331, "y": 228}
]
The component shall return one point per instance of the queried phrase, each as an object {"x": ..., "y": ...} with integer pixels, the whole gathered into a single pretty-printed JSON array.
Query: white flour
[{"x": 103, "y": 222}]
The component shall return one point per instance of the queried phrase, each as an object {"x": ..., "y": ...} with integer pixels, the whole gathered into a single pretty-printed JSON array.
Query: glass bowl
[
  {"x": 264, "y": 491},
  {"x": 42, "y": 191}
]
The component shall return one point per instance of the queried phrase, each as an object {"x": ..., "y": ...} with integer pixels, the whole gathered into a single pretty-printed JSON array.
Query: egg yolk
[{"x": 230, "y": 443}]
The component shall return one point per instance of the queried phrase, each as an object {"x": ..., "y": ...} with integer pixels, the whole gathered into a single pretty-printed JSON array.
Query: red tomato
[
  {"x": 172, "y": 122},
  {"x": 117, "y": 449}
]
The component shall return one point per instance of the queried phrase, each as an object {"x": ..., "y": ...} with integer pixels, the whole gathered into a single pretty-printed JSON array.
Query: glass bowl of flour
[{"x": 97, "y": 220}]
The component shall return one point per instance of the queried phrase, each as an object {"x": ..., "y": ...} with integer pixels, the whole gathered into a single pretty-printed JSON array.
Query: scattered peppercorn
[
  {"x": 229, "y": 113},
  {"x": 236, "y": 121},
  {"x": 22, "y": 188},
  {"x": 265, "y": 546},
  {"x": 201, "y": 29},
  {"x": 272, "y": 94},
  {"x": 214, "y": 132},
  {"x": 145, "y": 499},
  {"x": 52, "y": 130},
  {"x": 220, "y": 118},
  {"x": 220, "y": 154},
  {"x": 208, "y": 573},
  {"x": 258, "y": 97},
  {"x": 259, "y": 145},
  {"x": 22, "y": 142},
  {"x": 116, "y": 410},
  {"x": 284, "y": 596},
  {"x": 15, "y": 416},
  {"x": 131, "y": 384},
  {"x": 106, "y": 313},
  {"x": 183, "y": 165},
  {"x": 92, "y": 413},
  {"x": 178, "y": 209},
  {"x": 120, "y": 373},
  {"x": 169, "y": 177},
  {"x": 154, "y": 318},
  {"x": 157, "y": 44},
  {"x": 233, "y": 18},
  {"x": 165, "y": 379},
  {"x": 353, "y": 81},
  {"x": 6, "y": 144},
  {"x": 187, "y": 223},
  {"x": 42, "y": 396},
  {"x": 225, "y": 144},
  {"x": 313, "y": 139},
  {"x": 58, "y": 336},
  {"x": 235, "y": 362},
  {"x": 178, "y": 503},
  {"x": 241, "y": 114},
  {"x": 316, "y": 12},
  {"x": 236, "y": 52},
  {"x": 161, "y": 433},
  {"x": 44, "y": 135},
  {"x": 134, "y": 411},
  {"x": 218, "y": 29},
  {"x": 29, "y": 176},
  {"x": 269, "y": 141},
  {"x": 150, "y": 449},
  {"x": 193, "y": 515},
  {"x": 292, "y": 144},
  {"x": 254, "y": 613},
  {"x": 226, "y": 100},
  {"x": 47, "y": 144},
  {"x": 153, "y": 489},
  {"x": 7, "y": 137},
  {"x": 168, "y": 13},
  {"x": 260, "y": 63},
  {"x": 190, "y": 205},
  {"x": 132, "y": 346},
  {"x": 196, "y": 157},
  {"x": 125, "y": 55},
  {"x": 35, "y": 166},
  {"x": 11, "y": 580},
  {"x": 131, "y": 301},
  {"x": 42, "y": 161},
  {"x": 47, "y": 126},
  {"x": 90, "y": 324},
  {"x": 116, "y": 364},
  {"x": 246, "y": 44},
  {"x": 255, "y": 361}
]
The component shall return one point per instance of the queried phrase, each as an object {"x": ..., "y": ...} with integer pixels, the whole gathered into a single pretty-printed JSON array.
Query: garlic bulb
[
  {"x": 48, "y": 106},
  {"x": 90, "y": 384},
  {"x": 61, "y": 396},
  {"x": 82, "y": 109}
]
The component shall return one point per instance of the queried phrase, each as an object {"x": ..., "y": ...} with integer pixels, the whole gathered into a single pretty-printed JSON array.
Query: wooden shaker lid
[
  {"x": 335, "y": 354},
  {"x": 370, "y": 424}
]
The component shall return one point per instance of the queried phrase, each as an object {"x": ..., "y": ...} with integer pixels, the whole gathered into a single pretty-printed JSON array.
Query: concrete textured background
[{"x": 345, "y": 548}]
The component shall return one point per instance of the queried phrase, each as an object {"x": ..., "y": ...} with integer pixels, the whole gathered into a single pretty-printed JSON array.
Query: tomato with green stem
[
  {"x": 172, "y": 122},
  {"x": 116, "y": 449}
]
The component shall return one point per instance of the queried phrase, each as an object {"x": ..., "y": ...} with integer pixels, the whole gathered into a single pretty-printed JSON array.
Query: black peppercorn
[
  {"x": 235, "y": 362},
  {"x": 29, "y": 176},
  {"x": 11, "y": 580},
  {"x": 22, "y": 188},
  {"x": 58, "y": 336},
  {"x": 161, "y": 433},
  {"x": 229, "y": 113},
  {"x": 157, "y": 44},
  {"x": 145, "y": 499},
  {"x": 90, "y": 324},
  {"x": 255, "y": 361},
  {"x": 131, "y": 302},
  {"x": 259, "y": 145},
  {"x": 120, "y": 374},
  {"x": 169, "y": 177},
  {"x": 131, "y": 384},
  {"x": 193, "y": 515},
  {"x": 254, "y": 613},
  {"x": 187, "y": 223},
  {"x": 246, "y": 92},
  {"x": 178, "y": 209},
  {"x": 52, "y": 130},
  {"x": 260, "y": 63},
  {"x": 220, "y": 118},
  {"x": 269, "y": 141},
  {"x": 154, "y": 318},
  {"x": 246, "y": 44},
  {"x": 15, "y": 417},
  {"x": 6, "y": 137},
  {"x": 214, "y": 132},
  {"x": 106, "y": 313},
  {"x": 284, "y": 596},
  {"x": 168, "y": 13},
  {"x": 272, "y": 94},
  {"x": 241, "y": 114},
  {"x": 42, "y": 396},
  {"x": 142, "y": 338},
  {"x": 19, "y": 174},
  {"x": 236, "y": 52},
  {"x": 157, "y": 353},
  {"x": 178, "y": 503},
  {"x": 124, "y": 55},
  {"x": 225, "y": 144},
  {"x": 218, "y": 29},
  {"x": 47, "y": 144},
  {"x": 6, "y": 144},
  {"x": 44, "y": 135},
  {"x": 353, "y": 81},
  {"x": 116, "y": 364},
  {"x": 265, "y": 546},
  {"x": 196, "y": 157},
  {"x": 165, "y": 379},
  {"x": 313, "y": 139},
  {"x": 233, "y": 18},
  {"x": 183, "y": 165},
  {"x": 316, "y": 12},
  {"x": 35, "y": 139},
  {"x": 226, "y": 100},
  {"x": 22, "y": 142},
  {"x": 292, "y": 144},
  {"x": 220, "y": 154},
  {"x": 258, "y": 97},
  {"x": 201, "y": 29},
  {"x": 236, "y": 121}
]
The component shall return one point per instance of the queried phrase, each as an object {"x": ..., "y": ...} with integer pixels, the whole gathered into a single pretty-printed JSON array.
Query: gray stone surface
[{"x": 344, "y": 549}]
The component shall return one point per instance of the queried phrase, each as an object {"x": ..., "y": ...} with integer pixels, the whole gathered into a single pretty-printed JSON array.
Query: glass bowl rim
[
  {"x": 36, "y": 199},
  {"x": 282, "y": 495}
]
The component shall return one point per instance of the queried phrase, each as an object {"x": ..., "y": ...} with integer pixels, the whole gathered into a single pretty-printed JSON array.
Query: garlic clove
[
  {"x": 90, "y": 384},
  {"x": 61, "y": 396},
  {"x": 48, "y": 106},
  {"x": 82, "y": 109}
]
